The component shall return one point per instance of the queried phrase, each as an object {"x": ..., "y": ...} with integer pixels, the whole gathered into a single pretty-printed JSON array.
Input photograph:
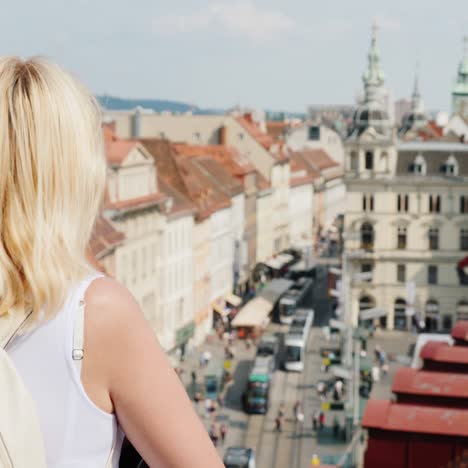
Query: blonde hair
[{"x": 52, "y": 178}]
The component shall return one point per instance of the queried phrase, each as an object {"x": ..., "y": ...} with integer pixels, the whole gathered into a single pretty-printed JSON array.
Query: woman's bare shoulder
[{"x": 110, "y": 308}]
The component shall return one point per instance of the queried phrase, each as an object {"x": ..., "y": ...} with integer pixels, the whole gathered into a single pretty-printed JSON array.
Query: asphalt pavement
[{"x": 296, "y": 444}]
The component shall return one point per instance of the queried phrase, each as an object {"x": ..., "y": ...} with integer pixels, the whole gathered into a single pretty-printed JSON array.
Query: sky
[{"x": 270, "y": 54}]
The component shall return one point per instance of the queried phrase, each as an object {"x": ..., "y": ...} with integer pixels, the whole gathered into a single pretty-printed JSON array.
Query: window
[
  {"x": 432, "y": 316},
  {"x": 419, "y": 166},
  {"x": 434, "y": 203},
  {"x": 464, "y": 239},
  {"x": 433, "y": 239},
  {"x": 368, "y": 202},
  {"x": 399, "y": 314},
  {"x": 463, "y": 204},
  {"x": 401, "y": 237},
  {"x": 450, "y": 167},
  {"x": 401, "y": 273},
  {"x": 367, "y": 236},
  {"x": 369, "y": 160},
  {"x": 366, "y": 268},
  {"x": 314, "y": 133},
  {"x": 402, "y": 202},
  {"x": 432, "y": 273},
  {"x": 446, "y": 323},
  {"x": 354, "y": 162}
]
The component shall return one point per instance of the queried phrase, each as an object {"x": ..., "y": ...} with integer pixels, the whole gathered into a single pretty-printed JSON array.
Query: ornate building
[
  {"x": 406, "y": 216},
  {"x": 460, "y": 89}
]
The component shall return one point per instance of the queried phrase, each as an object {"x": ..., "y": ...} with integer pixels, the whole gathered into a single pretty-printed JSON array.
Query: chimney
[
  {"x": 248, "y": 117},
  {"x": 223, "y": 135}
]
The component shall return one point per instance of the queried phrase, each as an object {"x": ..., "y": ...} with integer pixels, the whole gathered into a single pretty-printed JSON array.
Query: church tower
[
  {"x": 460, "y": 89},
  {"x": 416, "y": 118},
  {"x": 370, "y": 147}
]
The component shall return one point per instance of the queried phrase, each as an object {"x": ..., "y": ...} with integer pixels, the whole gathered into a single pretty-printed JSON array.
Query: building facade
[{"x": 406, "y": 220}]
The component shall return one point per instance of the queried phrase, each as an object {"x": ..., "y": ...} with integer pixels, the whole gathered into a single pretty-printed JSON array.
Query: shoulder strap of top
[{"x": 78, "y": 328}]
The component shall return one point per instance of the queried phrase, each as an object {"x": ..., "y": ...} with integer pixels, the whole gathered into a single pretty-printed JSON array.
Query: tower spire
[
  {"x": 417, "y": 105},
  {"x": 373, "y": 77}
]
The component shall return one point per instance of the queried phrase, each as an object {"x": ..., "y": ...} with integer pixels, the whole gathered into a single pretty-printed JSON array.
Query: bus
[
  {"x": 293, "y": 298},
  {"x": 296, "y": 339},
  {"x": 257, "y": 394},
  {"x": 214, "y": 379}
]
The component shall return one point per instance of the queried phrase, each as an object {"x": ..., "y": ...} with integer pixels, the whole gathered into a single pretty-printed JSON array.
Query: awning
[
  {"x": 233, "y": 299},
  {"x": 275, "y": 263},
  {"x": 220, "y": 309},
  {"x": 279, "y": 261},
  {"x": 254, "y": 314}
]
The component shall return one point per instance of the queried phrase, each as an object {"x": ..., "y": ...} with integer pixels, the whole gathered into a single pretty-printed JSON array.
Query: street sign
[
  {"x": 372, "y": 313},
  {"x": 332, "y": 406},
  {"x": 337, "y": 324},
  {"x": 335, "y": 271},
  {"x": 341, "y": 372},
  {"x": 334, "y": 293}
]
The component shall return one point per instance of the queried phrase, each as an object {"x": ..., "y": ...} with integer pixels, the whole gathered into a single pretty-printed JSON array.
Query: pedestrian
[
  {"x": 315, "y": 419},
  {"x": 223, "y": 432},
  {"x": 207, "y": 407},
  {"x": 336, "y": 427},
  {"x": 194, "y": 377},
  {"x": 298, "y": 414},
  {"x": 321, "y": 389},
  {"x": 278, "y": 422},
  {"x": 315, "y": 460},
  {"x": 281, "y": 409},
  {"x": 206, "y": 357},
  {"x": 220, "y": 400},
  {"x": 321, "y": 419},
  {"x": 375, "y": 373}
]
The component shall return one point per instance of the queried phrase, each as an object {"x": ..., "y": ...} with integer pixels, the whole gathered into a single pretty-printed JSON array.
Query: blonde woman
[{"x": 52, "y": 176}]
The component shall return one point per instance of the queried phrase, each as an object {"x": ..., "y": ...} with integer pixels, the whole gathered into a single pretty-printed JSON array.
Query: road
[{"x": 295, "y": 445}]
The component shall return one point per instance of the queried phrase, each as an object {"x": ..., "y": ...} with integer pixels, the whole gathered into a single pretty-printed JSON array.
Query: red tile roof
[
  {"x": 392, "y": 416},
  {"x": 247, "y": 122},
  {"x": 231, "y": 159},
  {"x": 443, "y": 352},
  {"x": 185, "y": 176},
  {"x": 181, "y": 205},
  {"x": 104, "y": 238},
  {"x": 138, "y": 203},
  {"x": 277, "y": 129},
  {"x": 460, "y": 331},
  {"x": 301, "y": 172},
  {"x": 441, "y": 384},
  {"x": 276, "y": 149}
]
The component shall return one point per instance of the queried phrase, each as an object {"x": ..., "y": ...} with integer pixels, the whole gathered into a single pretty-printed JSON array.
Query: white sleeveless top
[{"x": 77, "y": 434}]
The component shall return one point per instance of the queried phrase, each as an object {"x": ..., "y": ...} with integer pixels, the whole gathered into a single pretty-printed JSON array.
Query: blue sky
[{"x": 262, "y": 53}]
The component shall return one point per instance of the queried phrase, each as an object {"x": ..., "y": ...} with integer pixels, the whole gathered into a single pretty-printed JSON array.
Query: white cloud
[{"x": 239, "y": 17}]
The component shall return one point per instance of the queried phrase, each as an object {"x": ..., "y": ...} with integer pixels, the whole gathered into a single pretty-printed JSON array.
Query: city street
[{"x": 297, "y": 442}]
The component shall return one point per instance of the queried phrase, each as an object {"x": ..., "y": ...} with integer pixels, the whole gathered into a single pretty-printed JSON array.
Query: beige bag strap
[{"x": 10, "y": 325}]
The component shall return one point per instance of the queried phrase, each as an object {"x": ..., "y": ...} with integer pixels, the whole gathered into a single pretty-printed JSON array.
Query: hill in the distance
[
  {"x": 158, "y": 105},
  {"x": 161, "y": 105}
]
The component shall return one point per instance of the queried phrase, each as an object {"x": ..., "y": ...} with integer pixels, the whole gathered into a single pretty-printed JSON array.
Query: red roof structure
[
  {"x": 460, "y": 332},
  {"x": 430, "y": 388},
  {"x": 439, "y": 356},
  {"x": 390, "y": 416}
]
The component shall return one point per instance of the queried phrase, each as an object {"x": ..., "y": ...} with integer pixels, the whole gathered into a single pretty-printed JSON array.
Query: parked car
[{"x": 239, "y": 457}]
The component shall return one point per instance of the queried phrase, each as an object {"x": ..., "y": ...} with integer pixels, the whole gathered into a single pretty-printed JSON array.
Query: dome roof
[{"x": 369, "y": 116}]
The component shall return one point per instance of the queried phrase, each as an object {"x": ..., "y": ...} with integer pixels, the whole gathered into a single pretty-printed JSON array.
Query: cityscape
[
  {"x": 307, "y": 277},
  {"x": 287, "y": 201}
]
